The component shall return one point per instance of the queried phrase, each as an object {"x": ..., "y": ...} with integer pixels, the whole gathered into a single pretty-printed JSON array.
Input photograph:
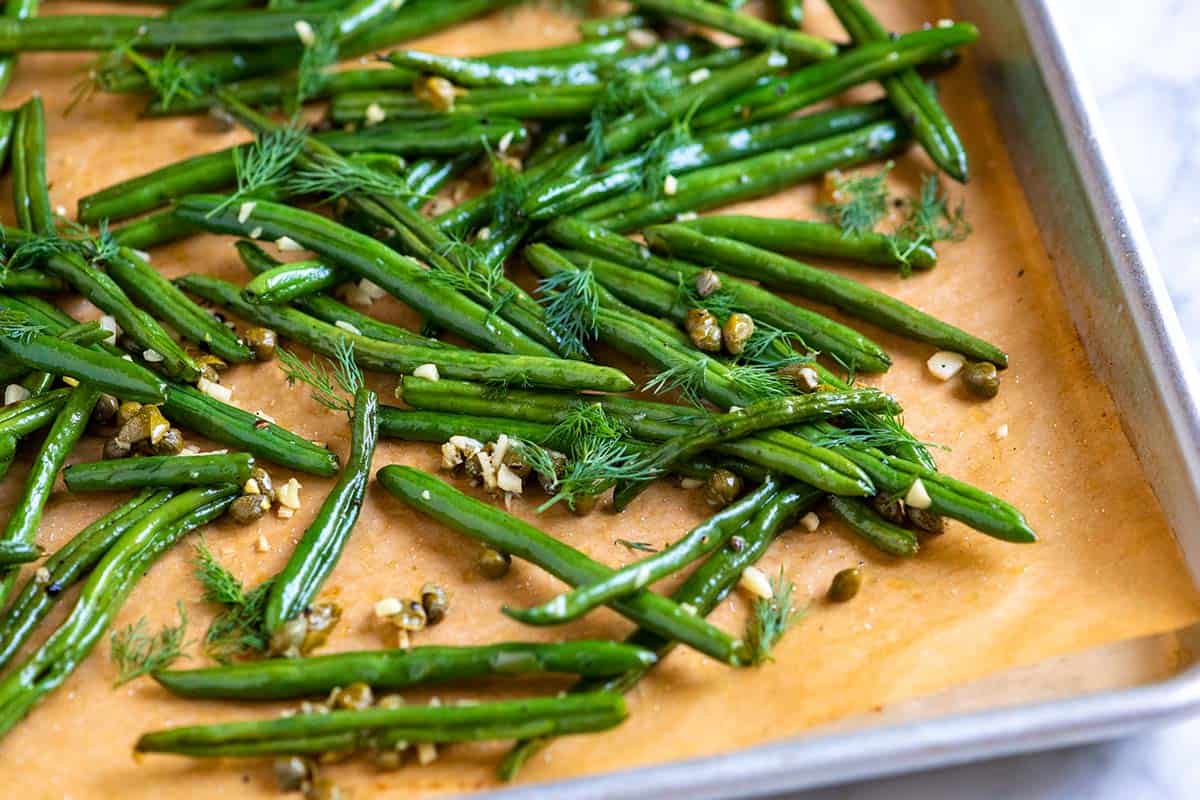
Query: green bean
[
  {"x": 108, "y": 295},
  {"x": 763, "y": 415},
  {"x": 427, "y": 176},
  {"x": 791, "y": 12},
  {"x": 14, "y": 9},
  {"x": 31, "y": 193},
  {"x": 329, "y": 310},
  {"x": 205, "y": 173},
  {"x": 29, "y": 280},
  {"x": 541, "y": 102},
  {"x": 825, "y": 79},
  {"x": 8, "y": 119},
  {"x": 399, "y": 275},
  {"x": 510, "y": 535},
  {"x": 805, "y": 237},
  {"x": 152, "y": 230},
  {"x": 321, "y": 546},
  {"x": 751, "y": 29},
  {"x": 628, "y": 173},
  {"x": 259, "y": 28},
  {"x": 102, "y": 596},
  {"x": 849, "y": 295},
  {"x": 862, "y": 519},
  {"x": 158, "y": 471},
  {"x": 708, "y": 536},
  {"x": 436, "y": 137},
  {"x": 85, "y": 334},
  {"x": 287, "y": 282},
  {"x": 26, "y": 515},
  {"x": 471, "y": 72},
  {"x": 27, "y": 416},
  {"x": 191, "y": 8},
  {"x": 393, "y": 670},
  {"x": 108, "y": 373},
  {"x": 756, "y": 176},
  {"x": 908, "y": 93},
  {"x": 344, "y": 730},
  {"x": 617, "y": 25},
  {"x": 432, "y": 426},
  {"x": 703, "y": 589},
  {"x": 657, "y": 291},
  {"x": 789, "y": 455},
  {"x": 16, "y": 553},
  {"x": 67, "y": 566},
  {"x": 234, "y": 427},
  {"x": 396, "y": 358},
  {"x": 155, "y": 293}
]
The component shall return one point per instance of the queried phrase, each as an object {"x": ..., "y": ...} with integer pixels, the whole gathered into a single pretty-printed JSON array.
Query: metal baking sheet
[{"x": 1121, "y": 309}]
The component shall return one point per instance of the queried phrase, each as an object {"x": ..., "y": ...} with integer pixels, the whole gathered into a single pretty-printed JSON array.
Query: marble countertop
[{"x": 1143, "y": 66}]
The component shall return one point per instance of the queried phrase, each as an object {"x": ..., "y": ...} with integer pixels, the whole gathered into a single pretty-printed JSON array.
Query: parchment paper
[{"x": 1106, "y": 568}]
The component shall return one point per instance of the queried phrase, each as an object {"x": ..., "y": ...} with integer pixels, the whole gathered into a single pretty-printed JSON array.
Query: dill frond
[
  {"x": 771, "y": 619},
  {"x": 584, "y": 422},
  {"x": 137, "y": 652},
  {"x": 15, "y": 325},
  {"x": 38, "y": 248},
  {"x": 170, "y": 76},
  {"x": 264, "y": 164},
  {"x": 509, "y": 190},
  {"x": 239, "y": 629},
  {"x": 622, "y": 94},
  {"x": 771, "y": 347},
  {"x": 721, "y": 302},
  {"x": 595, "y": 465},
  {"x": 334, "y": 388},
  {"x": 759, "y": 382},
  {"x": 334, "y": 178},
  {"x": 469, "y": 271},
  {"x": 572, "y": 303},
  {"x": 688, "y": 379},
  {"x": 656, "y": 157},
  {"x": 861, "y": 202},
  {"x": 881, "y": 431},
  {"x": 930, "y": 218},
  {"x": 640, "y": 547}
]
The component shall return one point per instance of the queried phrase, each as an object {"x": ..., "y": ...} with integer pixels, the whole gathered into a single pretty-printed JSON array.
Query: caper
[
  {"x": 105, "y": 409},
  {"x": 354, "y": 697},
  {"x": 802, "y": 376},
  {"x": 390, "y": 701},
  {"x": 322, "y": 619},
  {"x": 388, "y": 759},
  {"x": 703, "y": 329},
  {"x": 127, "y": 411},
  {"x": 707, "y": 282},
  {"x": 115, "y": 448},
  {"x": 325, "y": 788},
  {"x": 583, "y": 505},
  {"x": 292, "y": 772},
  {"x": 433, "y": 598},
  {"x": 435, "y": 91},
  {"x": 926, "y": 521},
  {"x": 261, "y": 342},
  {"x": 890, "y": 508},
  {"x": 210, "y": 366},
  {"x": 493, "y": 564},
  {"x": 288, "y": 637},
  {"x": 736, "y": 331},
  {"x": 248, "y": 508},
  {"x": 547, "y": 482},
  {"x": 411, "y": 617},
  {"x": 845, "y": 585},
  {"x": 171, "y": 443},
  {"x": 147, "y": 424},
  {"x": 981, "y": 379},
  {"x": 721, "y": 488},
  {"x": 265, "y": 485},
  {"x": 512, "y": 459}
]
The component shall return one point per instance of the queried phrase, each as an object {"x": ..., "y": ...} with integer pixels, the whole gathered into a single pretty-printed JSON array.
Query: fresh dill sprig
[
  {"x": 37, "y": 248},
  {"x": 624, "y": 93},
  {"x": 334, "y": 388},
  {"x": 497, "y": 388},
  {"x": 721, "y": 303},
  {"x": 582, "y": 422},
  {"x": 640, "y": 547},
  {"x": 881, "y": 431},
  {"x": 772, "y": 347},
  {"x": 771, "y": 619},
  {"x": 572, "y": 303},
  {"x": 656, "y": 157},
  {"x": 758, "y": 382},
  {"x": 594, "y": 466},
  {"x": 136, "y": 652},
  {"x": 333, "y": 178},
  {"x": 316, "y": 58},
  {"x": 860, "y": 201},
  {"x": 469, "y": 270},
  {"x": 169, "y": 76},
  {"x": 929, "y": 220},
  {"x": 509, "y": 189},
  {"x": 688, "y": 379},
  {"x": 240, "y": 629},
  {"x": 15, "y": 325},
  {"x": 264, "y": 164},
  {"x": 96, "y": 249}
]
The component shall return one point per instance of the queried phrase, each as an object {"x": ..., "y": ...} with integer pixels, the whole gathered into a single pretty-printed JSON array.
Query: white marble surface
[{"x": 1143, "y": 64}]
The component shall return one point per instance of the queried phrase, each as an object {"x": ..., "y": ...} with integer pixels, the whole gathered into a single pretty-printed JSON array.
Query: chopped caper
[
  {"x": 411, "y": 617},
  {"x": 388, "y": 759},
  {"x": 512, "y": 459},
  {"x": 926, "y": 521},
  {"x": 493, "y": 564},
  {"x": 248, "y": 508},
  {"x": 210, "y": 366},
  {"x": 890, "y": 508},
  {"x": 171, "y": 443},
  {"x": 127, "y": 411},
  {"x": 703, "y": 329},
  {"x": 148, "y": 424},
  {"x": 721, "y": 488},
  {"x": 322, "y": 618},
  {"x": 802, "y": 375},
  {"x": 265, "y": 485},
  {"x": 559, "y": 460},
  {"x": 354, "y": 697},
  {"x": 292, "y": 772},
  {"x": 288, "y": 637},
  {"x": 433, "y": 598},
  {"x": 981, "y": 379},
  {"x": 261, "y": 342},
  {"x": 736, "y": 331},
  {"x": 583, "y": 505},
  {"x": 435, "y": 91},
  {"x": 845, "y": 585},
  {"x": 115, "y": 448},
  {"x": 106, "y": 408},
  {"x": 707, "y": 282}
]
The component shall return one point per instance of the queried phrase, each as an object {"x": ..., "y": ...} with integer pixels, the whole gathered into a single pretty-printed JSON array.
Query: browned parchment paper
[{"x": 1106, "y": 568}]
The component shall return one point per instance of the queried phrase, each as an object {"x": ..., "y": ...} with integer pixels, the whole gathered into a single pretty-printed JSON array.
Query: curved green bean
[
  {"x": 886, "y": 536},
  {"x": 14, "y": 554},
  {"x": 108, "y": 373},
  {"x": 287, "y": 282}
]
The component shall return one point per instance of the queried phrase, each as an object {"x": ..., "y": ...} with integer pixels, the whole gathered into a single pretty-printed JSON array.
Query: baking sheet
[{"x": 1107, "y": 568}]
